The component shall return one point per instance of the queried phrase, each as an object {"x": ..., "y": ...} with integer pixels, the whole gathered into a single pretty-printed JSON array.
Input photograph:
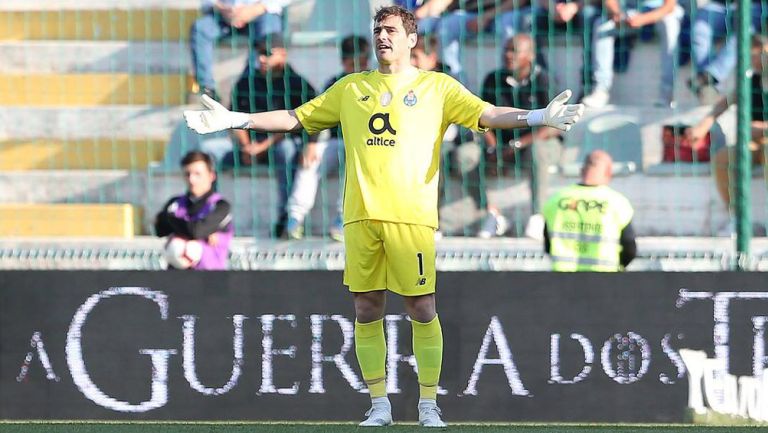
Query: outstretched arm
[
  {"x": 558, "y": 115},
  {"x": 698, "y": 131},
  {"x": 217, "y": 118}
]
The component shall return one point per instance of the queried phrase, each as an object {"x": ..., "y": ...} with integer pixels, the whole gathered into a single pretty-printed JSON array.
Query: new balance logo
[
  {"x": 421, "y": 282},
  {"x": 363, "y": 98}
]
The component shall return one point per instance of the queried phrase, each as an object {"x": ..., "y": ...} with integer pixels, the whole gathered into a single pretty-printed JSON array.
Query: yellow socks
[
  {"x": 428, "y": 348},
  {"x": 371, "y": 350}
]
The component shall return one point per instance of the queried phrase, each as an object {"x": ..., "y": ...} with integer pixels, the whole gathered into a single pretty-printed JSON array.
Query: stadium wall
[{"x": 279, "y": 346}]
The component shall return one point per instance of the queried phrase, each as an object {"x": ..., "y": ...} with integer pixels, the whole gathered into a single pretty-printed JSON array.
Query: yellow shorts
[{"x": 383, "y": 255}]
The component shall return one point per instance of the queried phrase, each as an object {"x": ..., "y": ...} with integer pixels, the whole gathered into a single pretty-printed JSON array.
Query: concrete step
[
  {"x": 119, "y": 121},
  {"x": 96, "y": 154},
  {"x": 147, "y": 57},
  {"x": 84, "y": 220},
  {"x": 97, "y": 24},
  {"x": 318, "y": 63},
  {"x": 309, "y": 22},
  {"x": 73, "y": 186},
  {"x": 685, "y": 206},
  {"x": 84, "y": 90},
  {"x": 55, "y": 5}
]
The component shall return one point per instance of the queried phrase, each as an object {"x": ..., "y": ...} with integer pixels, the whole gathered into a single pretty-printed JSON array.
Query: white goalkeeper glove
[
  {"x": 558, "y": 114},
  {"x": 215, "y": 118}
]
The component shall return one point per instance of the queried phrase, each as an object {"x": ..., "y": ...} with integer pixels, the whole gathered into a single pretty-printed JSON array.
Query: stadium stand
[{"x": 91, "y": 95}]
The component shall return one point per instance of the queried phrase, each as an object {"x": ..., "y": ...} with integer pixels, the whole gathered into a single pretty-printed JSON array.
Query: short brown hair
[
  {"x": 409, "y": 21},
  {"x": 194, "y": 156}
]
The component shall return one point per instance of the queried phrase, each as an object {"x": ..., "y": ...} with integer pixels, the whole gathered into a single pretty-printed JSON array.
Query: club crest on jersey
[
  {"x": 410, "y": 99},
  {"x": 386, "y": 98}
]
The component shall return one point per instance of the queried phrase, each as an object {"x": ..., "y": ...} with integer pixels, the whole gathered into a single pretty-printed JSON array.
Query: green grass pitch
[{"x": 260, "y": 427}]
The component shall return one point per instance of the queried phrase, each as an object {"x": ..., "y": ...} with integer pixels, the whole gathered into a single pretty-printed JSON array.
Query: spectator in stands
[
  {"x": 620, "y": 19},
  {"x": 424, "y": 55},
  {"x": 427, "y": 12},
  {"x": 759, "y": 131},
  {"x": 715, "y": 20},
  {"x": 254, "y": 19},
  {"x": 271, "y": 85},
  {"x": 201, "y": 214},
  {"x": 522, "y": 83},
  {"x": 501, "y": 19},
  {"x": 589, "y": 225},
  {"x": 572, "y": 18},
  {"x": 320, "y": 158}
]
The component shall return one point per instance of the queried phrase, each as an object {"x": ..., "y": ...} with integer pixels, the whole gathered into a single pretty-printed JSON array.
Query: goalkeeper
[{"x": 392, "y": 120}]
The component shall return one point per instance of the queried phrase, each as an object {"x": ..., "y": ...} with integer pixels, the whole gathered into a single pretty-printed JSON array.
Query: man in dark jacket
[{"x": 272, "y": 85}]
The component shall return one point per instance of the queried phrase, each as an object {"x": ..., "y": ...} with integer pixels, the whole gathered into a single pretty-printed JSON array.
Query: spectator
[
  {"x": 253, "y": 18},
  {"x": 424, "y": 56},
  {"x": 465, "y": 18},
  {"x": 714, "y": 21},
  {"x": 201, "y": 214},
  {"x": 589, "y": 225},
  {"x": 321, "y": 157},
  {"x": 759, "y": 123},
  {"x": 524, "y": 84},
  {"x": 273, "y": 85},
  {"x": 427, "y": 12},
  {"x": 573, "y": 18},
  {"x": 616, "y": 21}
]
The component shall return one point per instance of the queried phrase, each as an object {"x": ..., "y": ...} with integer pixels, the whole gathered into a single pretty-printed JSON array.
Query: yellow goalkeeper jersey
[{"x": 392, "y": 127}]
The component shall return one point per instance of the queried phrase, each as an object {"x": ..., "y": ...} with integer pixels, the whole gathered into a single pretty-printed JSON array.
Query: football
[{"x": 181, "y": 253}]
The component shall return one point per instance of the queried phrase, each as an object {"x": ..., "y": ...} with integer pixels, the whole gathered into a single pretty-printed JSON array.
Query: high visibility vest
[{"x": 584, "y": 225}]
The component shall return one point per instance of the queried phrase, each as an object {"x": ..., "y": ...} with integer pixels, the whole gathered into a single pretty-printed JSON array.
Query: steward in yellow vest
[{"x": 588, "y": 225}]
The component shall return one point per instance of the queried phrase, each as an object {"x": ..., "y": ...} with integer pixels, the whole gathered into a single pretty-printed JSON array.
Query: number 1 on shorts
[{"x": 420, "y": 256}]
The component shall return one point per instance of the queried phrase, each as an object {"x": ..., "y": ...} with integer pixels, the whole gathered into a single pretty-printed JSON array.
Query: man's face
[
  {"x": 355, "y": 64},
  {"x": 518, "y": 53},
  {"x": 272, "y": 60},
  {"x": 199, "y": 178},
  {"x": 390, "y": 41},
  {"x": 759, "y": 58},
  {"x": 422, "y": 60}
]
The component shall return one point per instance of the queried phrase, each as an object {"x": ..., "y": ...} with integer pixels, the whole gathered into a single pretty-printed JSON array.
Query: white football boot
[
  {"x": 380, "y": 413},
  {"x": 430, "y": 414}
]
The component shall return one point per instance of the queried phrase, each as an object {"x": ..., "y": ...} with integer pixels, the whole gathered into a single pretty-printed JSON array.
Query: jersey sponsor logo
[
  {"x": 581, "y": 205},
  {"x": 378, "y": 141},
  {"x": 379, "y": 124},
  {"x": 385, "y": 125},
  {"x": 410, "y": 99}
]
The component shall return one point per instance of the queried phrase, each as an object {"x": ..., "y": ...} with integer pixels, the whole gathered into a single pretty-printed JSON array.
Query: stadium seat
[
  {"x": 102, "y": 24},
  {"x": 73, "y": 220},
  {"x": 82, "y": 154}
]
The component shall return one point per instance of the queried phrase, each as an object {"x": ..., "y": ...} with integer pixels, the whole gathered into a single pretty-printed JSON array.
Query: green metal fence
[{"x": 91, "y": 96}]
